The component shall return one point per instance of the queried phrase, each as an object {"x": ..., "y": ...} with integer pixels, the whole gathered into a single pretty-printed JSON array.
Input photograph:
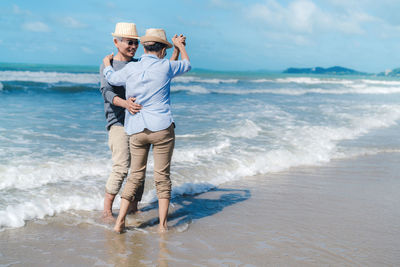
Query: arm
[
  {"x": 106, "y": 89},
  {"x": 184, "y": 54},
  {"x": 116, "y": 78},
  {"x": 179, "y": 46},
  {"x": 180, "y": 66},
  {"x": 128, "y": 104},
  {"x": 175, "y": 53},
  {"x": 110, "y": 96}
]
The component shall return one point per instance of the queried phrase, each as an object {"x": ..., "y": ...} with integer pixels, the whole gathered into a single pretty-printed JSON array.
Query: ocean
[{"x": 230, "y": 126}]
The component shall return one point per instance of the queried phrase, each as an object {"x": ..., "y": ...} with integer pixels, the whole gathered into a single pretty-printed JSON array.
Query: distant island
[
  {"x": 391, "y": 73},
  {"x": 336, "y": 70}
]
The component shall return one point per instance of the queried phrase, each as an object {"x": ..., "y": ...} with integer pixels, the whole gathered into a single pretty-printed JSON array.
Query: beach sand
[{"x": 344, "y": 213}]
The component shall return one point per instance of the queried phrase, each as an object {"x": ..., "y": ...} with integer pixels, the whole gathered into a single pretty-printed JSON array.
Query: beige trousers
[
  {"x": 163, "y": 145},
  {"x": 118, "y": 142}
]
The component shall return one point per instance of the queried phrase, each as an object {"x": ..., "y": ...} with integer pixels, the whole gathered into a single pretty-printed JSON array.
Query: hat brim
[
  {"x": 145, "y": 39},
  {"x": 125, "y": 36}
]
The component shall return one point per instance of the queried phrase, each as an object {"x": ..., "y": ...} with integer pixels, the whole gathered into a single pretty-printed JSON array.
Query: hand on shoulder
[{"x": 107, "y": 60}]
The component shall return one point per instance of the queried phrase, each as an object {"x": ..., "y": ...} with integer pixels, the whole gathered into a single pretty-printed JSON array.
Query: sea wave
[
  {"x": 309, "y": 80},
  {"x": 45, "y": 187},
  {"x": 40, "y": 172},
  {"x": 296, "y": 145},
  {"x": 331, "y": 81},
  {"x": 196, "y": 89},
  {"x": 353, "y": 89},
  {"x": 37, "y": 207},
  {"x": 50, "y": 77},
  {"x": 194, "y": 79}
]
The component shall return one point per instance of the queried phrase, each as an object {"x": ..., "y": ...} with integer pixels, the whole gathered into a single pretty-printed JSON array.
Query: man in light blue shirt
[{"x": 148, "y": 80}]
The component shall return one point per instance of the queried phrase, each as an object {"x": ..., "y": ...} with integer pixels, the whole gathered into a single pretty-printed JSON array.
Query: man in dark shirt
[{"x": 126, "y": 40}]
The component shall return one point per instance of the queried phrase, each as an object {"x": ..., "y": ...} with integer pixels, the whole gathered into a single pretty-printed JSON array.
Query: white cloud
[
  {"x": 298, "y": 16},
  {"x": 304, "y": 16},
  {"x": 111, "y": 5},
  {"x": 36, "y": 26},
  {"x": 72, "y": 23},
  {"x": 87, "y": 50},
  {"x": 17, "y": 10},
  {"x": 224, "y": 4},
  {"x": 291, "y": 39}
]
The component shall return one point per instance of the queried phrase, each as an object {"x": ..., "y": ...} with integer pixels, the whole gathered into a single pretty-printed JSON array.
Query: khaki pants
[
  {"x": 163, "y": 145},
  {"x": 118, "y": 142}
]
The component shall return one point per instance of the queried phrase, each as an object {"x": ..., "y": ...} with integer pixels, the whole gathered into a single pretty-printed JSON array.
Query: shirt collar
[{"x": 149, "y": 55}]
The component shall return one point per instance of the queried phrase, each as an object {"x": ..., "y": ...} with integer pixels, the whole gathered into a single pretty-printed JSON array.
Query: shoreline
[{"x": 345, "y": 212}]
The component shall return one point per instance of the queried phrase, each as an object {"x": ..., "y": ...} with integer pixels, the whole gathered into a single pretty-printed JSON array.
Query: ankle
[
  {"x": 162, "y": 228},
  {"x": 120, "y": 221},
  {"x": 107, "y": 213}
]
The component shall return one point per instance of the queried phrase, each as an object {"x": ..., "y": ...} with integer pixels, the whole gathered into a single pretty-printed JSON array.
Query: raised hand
[
  {"x": 107, "y": 59},
  {"x": 179, "y": 41}
]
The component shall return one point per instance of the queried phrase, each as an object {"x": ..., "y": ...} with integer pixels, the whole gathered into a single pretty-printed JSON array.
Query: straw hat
[
  {"x": 125, "y": 29},
  {"x": 155, "y": 35}
]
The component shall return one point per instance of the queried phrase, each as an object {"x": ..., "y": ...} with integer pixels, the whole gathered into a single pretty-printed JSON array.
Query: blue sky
[{"x": 222, "y": 34}]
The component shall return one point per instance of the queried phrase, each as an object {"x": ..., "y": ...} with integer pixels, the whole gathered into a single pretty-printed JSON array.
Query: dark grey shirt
[{"x": 114, "y": 115}]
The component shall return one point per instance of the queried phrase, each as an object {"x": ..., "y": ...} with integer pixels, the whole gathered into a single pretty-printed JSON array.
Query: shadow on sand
[{"x": 184, "y": 209}]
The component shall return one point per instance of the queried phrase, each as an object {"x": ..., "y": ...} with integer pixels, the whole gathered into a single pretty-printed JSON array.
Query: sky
[{"x": 221, "y": 34}]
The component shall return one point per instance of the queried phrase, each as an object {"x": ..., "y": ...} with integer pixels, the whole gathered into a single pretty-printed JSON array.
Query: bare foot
[
  {"x": 107, "y": 217},
  {"x": 119, "y": 227},
  {"x": 162, "y": 229}
]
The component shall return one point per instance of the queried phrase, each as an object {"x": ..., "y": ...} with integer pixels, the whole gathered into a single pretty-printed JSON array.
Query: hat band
[
  {"x": 125, "y": 35},
  {"x": 144, "y": 39}
]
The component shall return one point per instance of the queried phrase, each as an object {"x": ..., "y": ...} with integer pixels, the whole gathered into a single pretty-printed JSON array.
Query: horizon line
[{"x": 194, "y": 69}]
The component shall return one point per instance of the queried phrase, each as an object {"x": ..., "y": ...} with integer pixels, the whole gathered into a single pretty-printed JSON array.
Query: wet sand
[{"x": 345, "y": 213}]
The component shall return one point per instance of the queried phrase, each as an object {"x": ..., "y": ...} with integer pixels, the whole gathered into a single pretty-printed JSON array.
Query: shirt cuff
[{"x": 107, "y": 70}]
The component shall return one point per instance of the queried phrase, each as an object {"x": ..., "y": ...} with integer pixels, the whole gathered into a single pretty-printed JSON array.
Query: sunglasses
[{"x": 131, "y": 42}]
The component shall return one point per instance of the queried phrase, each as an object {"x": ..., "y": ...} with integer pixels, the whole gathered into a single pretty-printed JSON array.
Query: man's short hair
[{"x": 154, "y": 46}]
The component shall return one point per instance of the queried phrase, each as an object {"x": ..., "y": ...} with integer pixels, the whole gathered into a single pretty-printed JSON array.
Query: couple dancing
[{"x": 138, "y": 112}]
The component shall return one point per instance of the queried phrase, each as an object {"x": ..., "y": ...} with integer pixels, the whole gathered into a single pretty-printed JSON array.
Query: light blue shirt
[{"x": 149, "y": 81}]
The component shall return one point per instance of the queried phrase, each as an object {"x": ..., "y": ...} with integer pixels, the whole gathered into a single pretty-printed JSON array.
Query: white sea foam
[
  {"x": 309, "y": 80},
  {"x": 195, "y": 154},
  {"x": 262, "y": 80},
  {"x": 246, "y": 129},
  {"x": 356, "y": 89},
  {"x": 353, "y": 89},
  {"x": 296, "y": 146},
  {"x": 264, "y": 137},
  {"x": 196, "y": 169},
  {"x": 381, "y": 82},
  {"x": 39, "y": 207},
  {"x": 50, "y": 77},
  {"x": 191, "y": 79},
  {"x": 196, "y": 89},
  {"x": 40, "y": 172}
]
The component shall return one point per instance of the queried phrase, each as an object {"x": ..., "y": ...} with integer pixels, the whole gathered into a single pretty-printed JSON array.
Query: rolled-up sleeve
[
  {"x": 108, "y": 94},
  {"x": 179, "y": 67},
  {"x": 116, "y": 78},
  {"x": 105, "y": 88}
]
